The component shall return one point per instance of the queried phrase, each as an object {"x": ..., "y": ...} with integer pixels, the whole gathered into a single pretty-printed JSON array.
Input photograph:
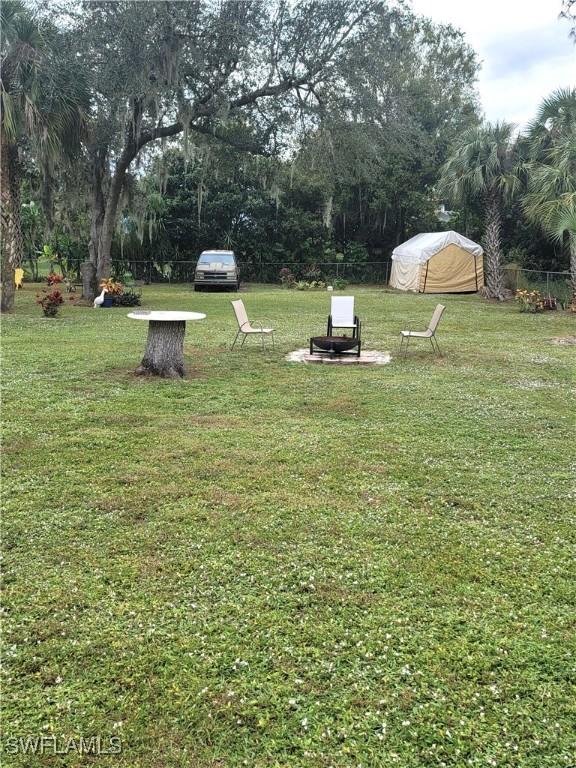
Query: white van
[{"x": 217, "y": 268}]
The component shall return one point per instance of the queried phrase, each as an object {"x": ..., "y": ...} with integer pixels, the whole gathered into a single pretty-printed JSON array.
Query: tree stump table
[{"x": 164, "y": 355}]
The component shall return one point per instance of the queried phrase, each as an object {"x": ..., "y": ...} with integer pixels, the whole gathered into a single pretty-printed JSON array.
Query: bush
[
  {"x": 339, "y": 283},
  {"x": 50, "y": 302},
  {"x": 313, "y": 273},
  {"x": 310, "y": 285},
  {"x": 54, "y": 278},
  {"x": 113, "y": 287},
  {"x": 287, "y": 277},
  {"x": 532, "y": 301},
  {"x": 126, "y": 299}
]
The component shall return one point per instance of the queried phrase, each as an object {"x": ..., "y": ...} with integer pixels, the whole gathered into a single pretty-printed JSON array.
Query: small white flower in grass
[
  {"x": 405, "y": 723},
  {"x": 405, "y": 670},
  {"x": 304, "y": 723},
  {"x": 58, "y": 680},
  {"x": 292, "y": 702}
]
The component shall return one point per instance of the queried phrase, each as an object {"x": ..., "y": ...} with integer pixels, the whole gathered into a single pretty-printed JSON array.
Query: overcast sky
[{"x": 525, "y": 50}]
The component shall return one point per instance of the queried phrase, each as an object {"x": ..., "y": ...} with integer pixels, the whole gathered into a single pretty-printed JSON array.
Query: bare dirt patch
[{"x": 569, "y": 341}]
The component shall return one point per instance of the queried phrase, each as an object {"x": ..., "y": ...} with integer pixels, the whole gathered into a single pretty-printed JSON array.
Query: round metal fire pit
[{"x": 334, "y": 344}]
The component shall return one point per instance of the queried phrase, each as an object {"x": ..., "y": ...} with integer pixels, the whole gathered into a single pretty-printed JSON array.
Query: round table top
[{"x": 165, "y": 316}]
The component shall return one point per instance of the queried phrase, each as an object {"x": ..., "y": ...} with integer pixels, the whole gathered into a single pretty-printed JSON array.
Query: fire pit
[{"x": 334, "y": 345}]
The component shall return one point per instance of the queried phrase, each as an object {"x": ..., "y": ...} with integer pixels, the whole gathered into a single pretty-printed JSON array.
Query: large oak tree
[{"x": 158, "y": 70}]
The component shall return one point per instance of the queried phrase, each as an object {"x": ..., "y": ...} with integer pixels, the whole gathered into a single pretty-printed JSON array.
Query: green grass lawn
[{"x": 277, "y": 565}]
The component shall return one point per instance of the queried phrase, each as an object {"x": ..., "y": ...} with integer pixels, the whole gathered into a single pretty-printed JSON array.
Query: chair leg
[
  {"x": 406, "y": 346},
  {"x": 244, "y": 339},
  {"x": 437, "y": 346},
  {"x": 235, "y": 340},
  {"x": 272, "y": 334}
]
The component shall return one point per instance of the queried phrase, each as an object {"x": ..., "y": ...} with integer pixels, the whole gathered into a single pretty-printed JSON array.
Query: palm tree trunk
[
  {"x": 12, "y": 238},
  {"x": 492, "y": 247},
  {"x": 572, "y": 243}
]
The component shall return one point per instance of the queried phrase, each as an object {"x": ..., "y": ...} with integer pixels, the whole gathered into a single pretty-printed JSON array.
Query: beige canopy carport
[{"x": 438, "y": 262}]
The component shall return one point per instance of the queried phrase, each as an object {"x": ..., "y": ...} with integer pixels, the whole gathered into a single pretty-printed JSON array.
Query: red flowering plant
[
  {"x": 54, "y": 279},
  {"x": 50, "y": 302}
]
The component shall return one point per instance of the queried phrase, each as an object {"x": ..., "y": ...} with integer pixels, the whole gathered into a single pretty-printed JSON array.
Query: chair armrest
[{"x": 266, "y": 320}]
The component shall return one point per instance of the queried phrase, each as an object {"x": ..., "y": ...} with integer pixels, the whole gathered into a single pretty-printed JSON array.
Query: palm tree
[
  {"x": 565, "y": 226},
  {"x": 42, "y": 107},
  {"x": 485, "y": 163},
  {"x": 550, "y": 200}
]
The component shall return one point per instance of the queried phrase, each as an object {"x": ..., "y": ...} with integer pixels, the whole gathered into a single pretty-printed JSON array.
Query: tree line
[{"x": 290, "y": 132}]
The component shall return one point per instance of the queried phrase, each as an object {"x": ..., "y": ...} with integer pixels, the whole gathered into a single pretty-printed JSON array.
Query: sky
[{"x": 525, "y": 50}]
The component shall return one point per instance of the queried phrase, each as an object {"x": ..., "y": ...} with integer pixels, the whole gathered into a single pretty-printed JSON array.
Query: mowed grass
[{"x": 278, "y": 565}]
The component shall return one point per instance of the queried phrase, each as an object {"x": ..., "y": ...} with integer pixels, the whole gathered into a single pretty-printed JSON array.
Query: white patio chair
[
  {"x": 429, "y": 333},
  {"x": 342, "y": 315},
  {"x": 248, "y": 328}
]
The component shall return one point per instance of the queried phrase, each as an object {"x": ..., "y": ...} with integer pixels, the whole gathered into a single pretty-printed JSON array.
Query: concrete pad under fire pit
[{"x": 370, "y": 357}]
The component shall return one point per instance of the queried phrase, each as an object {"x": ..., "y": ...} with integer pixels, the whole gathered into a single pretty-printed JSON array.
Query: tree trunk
[
  {"x": 47, "y": 201},
  {"x": 327, "y": 212},
  {"x": 492, "y": 248},
  {"x": 12, "y": 238},
  {"x": 33, "y": 268},
  {"x": 164, "y": 355},
  {"x": 8, "y": 285},
  {"x": 99, "y": 171},
  {"x": 104, "y": 268},
  {"x": 89, "y": 284}
]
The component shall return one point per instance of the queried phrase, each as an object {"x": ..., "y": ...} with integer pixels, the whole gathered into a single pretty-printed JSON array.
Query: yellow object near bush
[{"x": 18, "y": 277}]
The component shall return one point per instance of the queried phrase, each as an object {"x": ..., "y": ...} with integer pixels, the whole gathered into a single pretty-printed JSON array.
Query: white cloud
[{"x": 525, "y": 50}]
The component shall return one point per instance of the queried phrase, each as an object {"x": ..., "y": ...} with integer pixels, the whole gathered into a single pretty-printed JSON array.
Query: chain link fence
[
  {"x": 555, "y": 284},
  {"x": 549, "y": 283},
  {"x": 376, "y": 272},
  {"x": 182, "y": 271}
]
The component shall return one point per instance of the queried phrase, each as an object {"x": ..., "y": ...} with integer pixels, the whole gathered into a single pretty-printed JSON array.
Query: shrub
[
  {"x": 313, "y": 274},
  {"x": 50, "y": 302},
  {"x": 310, "y": 285},
  {"x": 529, "y": 301},
  {"x": 287, "y": 277},
  {"x": 126, "y": 299},
  {"x": 113, "y": 287},
  {"x": 54, "y": 279},
  {"x": 339, "y": 283}
]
